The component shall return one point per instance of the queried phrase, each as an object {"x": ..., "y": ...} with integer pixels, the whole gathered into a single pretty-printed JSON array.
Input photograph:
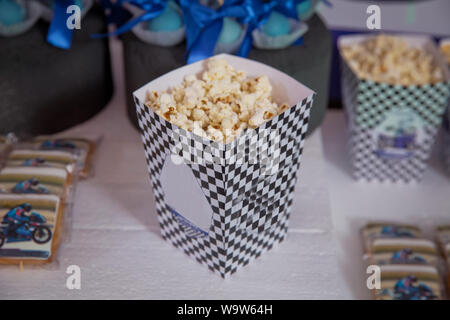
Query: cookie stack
[
  {"x": 410, "y": 266},
  {"x": 36, "y": 186}
]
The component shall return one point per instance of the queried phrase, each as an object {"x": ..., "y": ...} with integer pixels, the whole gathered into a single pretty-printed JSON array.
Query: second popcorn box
[
  {"x": 223, "y": 139},
  {"x": 395, "y": 91}
]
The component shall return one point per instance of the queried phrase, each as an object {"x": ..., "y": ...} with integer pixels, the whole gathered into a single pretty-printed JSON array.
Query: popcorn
[
  {"x": 390, "y": 59},
  {"x": 219, "y": 105},
  {"x": 445, "y": 49}
]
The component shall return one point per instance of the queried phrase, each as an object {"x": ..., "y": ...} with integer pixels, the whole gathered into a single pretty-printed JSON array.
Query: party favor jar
[
  {"x": 395, "y": 91},
  {"x": 52, "y": 77},
  {"x": 223, "y": 199}
]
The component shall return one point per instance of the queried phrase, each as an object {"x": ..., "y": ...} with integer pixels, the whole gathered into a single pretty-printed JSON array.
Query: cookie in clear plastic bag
[{"x": 30, "y": 228}]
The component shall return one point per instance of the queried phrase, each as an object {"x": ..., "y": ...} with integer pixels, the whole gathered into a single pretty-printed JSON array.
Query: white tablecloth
[{"x": 115, "y": 235}]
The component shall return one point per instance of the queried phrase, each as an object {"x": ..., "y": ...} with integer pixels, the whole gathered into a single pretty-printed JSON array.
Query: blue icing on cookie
[
  {"x": 276, "y": 25},
  {"x": 231, "y": 31},
  {"x": 304, "y": 8},
  {"x": 168, "y": 20},
  {"x": 11, "y": 12}
]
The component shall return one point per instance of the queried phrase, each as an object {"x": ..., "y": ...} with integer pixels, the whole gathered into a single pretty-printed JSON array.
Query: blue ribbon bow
[
  {"x": 115, "y": 15},
  {"x": 261, "y": 12},
  {"x": 152, "y": 8},
  {"x": 204, "y": 24},
  {"x": 59, "y": 34}
]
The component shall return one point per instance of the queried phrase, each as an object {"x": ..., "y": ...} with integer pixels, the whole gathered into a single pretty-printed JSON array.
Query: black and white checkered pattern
[
  {"x": 367, "y": 104},
  {"x": 250, "y": 208},
  {"x": 447, "y": 139}
]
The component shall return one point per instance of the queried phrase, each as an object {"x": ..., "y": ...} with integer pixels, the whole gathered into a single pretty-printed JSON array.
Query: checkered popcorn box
[
  {"x": 225, "y": 204},
  {"x": 447, "y": 140},
  {"x": 391, "y": 127}
]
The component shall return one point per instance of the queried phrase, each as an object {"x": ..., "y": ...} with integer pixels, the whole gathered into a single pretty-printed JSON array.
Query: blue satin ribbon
[
  {"x": 152, "y": 8},
  {"x": 116, "y": 15},
  {"x": 204, "y": 24},
  {"x": 58, "y": 34},
  {"x": 259, "y": 12}
]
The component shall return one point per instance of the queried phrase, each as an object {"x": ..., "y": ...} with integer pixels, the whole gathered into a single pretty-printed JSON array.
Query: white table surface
[
  {"x": 116, "y": 243},
  {"x": 355, "y": 203},
  {"x": 115, "y": 236}
]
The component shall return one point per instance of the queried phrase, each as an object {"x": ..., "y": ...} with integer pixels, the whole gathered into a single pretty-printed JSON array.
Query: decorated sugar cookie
[
  {"x": 81, "y": 147},
  {"x": 407, "y": 282},
  {"x": 41, "y": 159},
  {"x": 30, "y": 227},
  {"x": 29, "y": 180},
  {"x": 377, "y": 230},
  {"x": 403, "y": 251}
]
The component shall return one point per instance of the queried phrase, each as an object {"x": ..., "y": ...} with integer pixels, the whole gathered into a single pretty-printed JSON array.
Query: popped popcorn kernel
[
  {"x": 392, "y": 60},
  {"x": 219, "y": 105}
]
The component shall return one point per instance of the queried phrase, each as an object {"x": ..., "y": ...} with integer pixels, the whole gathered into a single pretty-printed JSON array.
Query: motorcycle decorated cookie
[
  {"x": 82, "y": 148},
  {"x": 409, "y": 282},
  {"x": 30, "y": 227},
  {"x": 29, "y": 180},
  {"x": 376, "y": 230},
  {"x": 404, "y": 251},
  {"x": 41, "y": 159}
]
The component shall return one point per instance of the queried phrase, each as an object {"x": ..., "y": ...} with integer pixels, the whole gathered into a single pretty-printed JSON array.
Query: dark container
[
  {"x": 309, "y": 63},
  {"x": 44, "y": 89}
]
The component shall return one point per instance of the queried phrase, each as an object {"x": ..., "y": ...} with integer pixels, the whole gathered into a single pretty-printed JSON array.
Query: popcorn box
[
  {"x": 447, "y": 139},
  {"x": 225, "y": 204},
  {"x": 391, "y": 128}
]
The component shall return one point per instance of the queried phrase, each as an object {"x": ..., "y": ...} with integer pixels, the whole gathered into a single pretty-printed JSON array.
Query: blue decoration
[
  {"x": 206, "y": 26},
  {"x": 58, "y": 34},
  {"x": 152, "y": 8},
  {"x": 11, "y": 12},
  {"x": 304, "y": 8},
  {"x": 231, "y": 31},
  {"x": 168, "y": 20},
  {"x": 276, "y": 25},
  {"x": 75, "y": 2}
]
